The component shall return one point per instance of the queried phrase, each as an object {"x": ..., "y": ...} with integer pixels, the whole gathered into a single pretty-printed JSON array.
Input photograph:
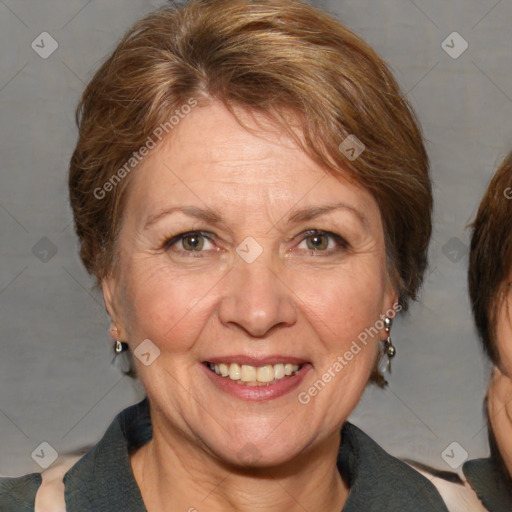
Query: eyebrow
[
  {"x": 205, "y": 214},
  {"x": 297, "y": 216},
  {"x": 306, "y": 214}
]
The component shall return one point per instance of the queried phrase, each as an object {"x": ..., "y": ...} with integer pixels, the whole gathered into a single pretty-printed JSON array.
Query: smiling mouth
[{"x": 254, "y": 375}]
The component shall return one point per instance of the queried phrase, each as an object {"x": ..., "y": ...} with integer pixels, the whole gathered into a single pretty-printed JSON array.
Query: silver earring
[
  {"x": 120, "y": 346},
  {"x": 389, "y": 348},
  {"x": 121, "y": 359}
]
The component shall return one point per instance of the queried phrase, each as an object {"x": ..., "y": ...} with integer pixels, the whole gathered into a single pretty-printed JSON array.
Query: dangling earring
[
  {"x": 389, "y": 349},
  {"x": 120, "y": 346},
  {"x": 121, "y": 359}
]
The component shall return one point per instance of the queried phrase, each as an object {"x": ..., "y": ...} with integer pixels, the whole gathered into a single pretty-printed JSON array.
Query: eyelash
[
  {"x": 195, "y": 254},
  {"x": 342, "y": 243}
]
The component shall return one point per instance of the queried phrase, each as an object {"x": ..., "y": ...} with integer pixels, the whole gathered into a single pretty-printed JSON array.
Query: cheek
[
  {"x": 344, "y": 309},
  {"x": 166, "y": 306},
  {"x": 345, "y": 301},
  {"x": 504, "y": 339},
  {"x": 500, "y": 414}
]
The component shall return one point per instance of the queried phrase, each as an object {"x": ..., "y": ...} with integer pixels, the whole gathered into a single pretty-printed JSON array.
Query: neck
[{"x": 174, "y": 473}]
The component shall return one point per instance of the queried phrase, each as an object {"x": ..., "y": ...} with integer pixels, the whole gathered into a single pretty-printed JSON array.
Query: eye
[
  {"x": 322, "y": 241},
  {"x": 192, "y": 241}
]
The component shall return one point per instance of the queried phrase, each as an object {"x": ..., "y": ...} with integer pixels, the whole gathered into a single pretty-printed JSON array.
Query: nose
[{"x": 256, "y": 300}]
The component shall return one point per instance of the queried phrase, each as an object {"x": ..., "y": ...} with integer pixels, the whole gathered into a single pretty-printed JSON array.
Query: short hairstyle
[
  {"x": 273, "y": 57},
  {"x": 490, "y": 259}
]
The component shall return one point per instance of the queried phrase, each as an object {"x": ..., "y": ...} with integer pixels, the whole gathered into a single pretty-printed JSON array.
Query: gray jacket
[
  {"x": 489, "y": 484},
  {"x": 102, "y": 480}
]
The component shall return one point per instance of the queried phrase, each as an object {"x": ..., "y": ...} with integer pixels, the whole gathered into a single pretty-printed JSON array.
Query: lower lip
[{"x": 258, "y": 393}]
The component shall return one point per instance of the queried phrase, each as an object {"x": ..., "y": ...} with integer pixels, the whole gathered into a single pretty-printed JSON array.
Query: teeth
[
  {"x": 252, "y": 374},
  {"x": 224, "y": 369},
  {"x": 279, "y": 371},
  {"x": 265, "y": 373},
  {"x": 234, "y": 371},
  {"x": 248, "y": 373}
]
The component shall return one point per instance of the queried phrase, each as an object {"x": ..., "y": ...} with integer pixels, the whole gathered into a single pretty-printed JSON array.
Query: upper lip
[{"x": 256, "y": 361}]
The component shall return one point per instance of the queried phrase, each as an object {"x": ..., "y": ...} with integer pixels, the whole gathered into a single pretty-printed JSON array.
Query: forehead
[{"x": 211, "y": 158}]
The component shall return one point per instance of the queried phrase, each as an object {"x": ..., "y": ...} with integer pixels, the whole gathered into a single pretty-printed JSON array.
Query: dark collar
[
  {"x": 379, "y": 482},
  {"x": 102, "y": 480},
  {"x": 489, "y": 484}
]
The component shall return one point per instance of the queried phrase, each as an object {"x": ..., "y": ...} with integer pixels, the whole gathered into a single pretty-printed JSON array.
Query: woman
[
  {"x": 251, "y": 193},
  {"x": 490, "y": 280}
]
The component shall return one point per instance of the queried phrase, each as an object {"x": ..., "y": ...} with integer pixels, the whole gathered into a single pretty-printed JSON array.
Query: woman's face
[
  {"x": 500, "y": 390},
  {"x": 504, "y": 330},
  {"x": 282, "y": 263}
]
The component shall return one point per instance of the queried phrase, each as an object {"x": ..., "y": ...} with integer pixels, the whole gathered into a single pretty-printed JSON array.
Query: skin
[
  {"x": 291, "y": 300},
  {"x": 500, "y": 389}
]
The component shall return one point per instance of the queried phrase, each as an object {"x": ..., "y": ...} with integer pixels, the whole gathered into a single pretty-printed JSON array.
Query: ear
[
  {"x": 108, "y": 287},
  {"x": 391, "y": 306},
  {"x": 108, "y": 290},
  {"x": 392, "y": 301}
]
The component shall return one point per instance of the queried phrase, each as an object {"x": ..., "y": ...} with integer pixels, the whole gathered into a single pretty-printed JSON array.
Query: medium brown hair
[
  {"x": 272, "y": 57},
  {"x": 490, "y": 259},
  {"x": 268, "y": 56}
]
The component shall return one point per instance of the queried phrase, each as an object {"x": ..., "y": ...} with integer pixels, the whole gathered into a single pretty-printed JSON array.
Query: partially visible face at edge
[
  {"x": 504, "y": 328},
  {"x": 500, "y": 389},
  {"x": 292, "y": 300}
]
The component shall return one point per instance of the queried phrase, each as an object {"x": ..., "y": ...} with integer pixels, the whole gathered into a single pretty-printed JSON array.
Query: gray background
[{"x": 56, "y": 381}]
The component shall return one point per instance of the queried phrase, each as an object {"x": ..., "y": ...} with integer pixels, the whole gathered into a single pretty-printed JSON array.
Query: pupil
[
  {"x": 193, "y": 242},
  {"x": 318, "y": 242}
]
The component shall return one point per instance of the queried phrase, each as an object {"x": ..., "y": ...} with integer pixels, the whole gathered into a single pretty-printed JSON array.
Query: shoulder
[
  {"x": 18, "y": 494},
  {"x": 40, "y": 491},
  {"x": 457, "y": 494},
  {"x": 380, "y": 482},
  {"x": 492, "y": 485},
  {"x": 85, "y": 476}
]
